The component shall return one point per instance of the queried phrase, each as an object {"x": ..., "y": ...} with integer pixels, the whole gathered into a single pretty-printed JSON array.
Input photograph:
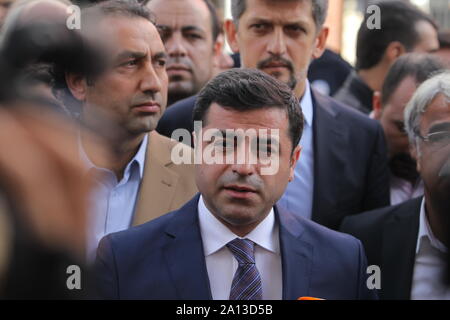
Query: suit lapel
[
  {"x": 399, "y": 251},
  {"x": 184, "y": 254},
  {"x": 296, "y": 256},
  {"x": 158, "y": 184},
  {"x": 330, "y": 138}
]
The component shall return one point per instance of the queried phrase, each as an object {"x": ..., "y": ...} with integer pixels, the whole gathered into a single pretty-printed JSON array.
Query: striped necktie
[{"x": 246, "y": 283}]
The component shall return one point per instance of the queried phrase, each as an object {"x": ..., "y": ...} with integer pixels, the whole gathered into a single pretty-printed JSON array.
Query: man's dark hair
[
  {"x": 250, "y": 89},
  {"x": 398, "y": 23},
  {"x": 216, "y": 27},
  {"x": 419, "y": 66},
  {"x": 127, "y": 8}
]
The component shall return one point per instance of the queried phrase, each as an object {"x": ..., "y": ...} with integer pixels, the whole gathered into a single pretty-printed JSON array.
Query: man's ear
[
  {"x": 321, "y": 41},
  {"x": 394, "y": 50},
  {"x": 231, "y": 32},
  {"x": 376, "y": 106},
  {"x": 217, "y": 50},
  {"x": 294, "y": 158},
  {"x": 77, "y": 85}
]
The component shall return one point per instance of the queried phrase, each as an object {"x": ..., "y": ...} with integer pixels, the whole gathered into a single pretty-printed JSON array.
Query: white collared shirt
[
  {"x": 221, "y": 264},
  {"x": 298, "y": 196},
  {"x": 403, "y": 190},
  {"x": 112, "y": 202},
  {"x": 430, "y": 264}
]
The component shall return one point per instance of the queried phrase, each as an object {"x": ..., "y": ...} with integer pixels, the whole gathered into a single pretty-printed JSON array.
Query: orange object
[{"x": 309, "y": 298}]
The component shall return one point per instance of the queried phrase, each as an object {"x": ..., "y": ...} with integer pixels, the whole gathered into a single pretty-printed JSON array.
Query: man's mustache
[
  {"x": 252, "y": 181},
  {"x": 275, "y": 59}
]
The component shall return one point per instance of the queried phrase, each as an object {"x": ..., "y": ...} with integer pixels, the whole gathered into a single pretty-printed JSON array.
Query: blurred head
[
  {"x": 444, "y": 47},
  {"x": 222, "y": 60},
  {"x": 427, "y": 120},
  {"x": 405, "y": 75},
  {"x": 404, "y": 28},
  {"x": 26, "y": 12},
  {"x": 279, "y": 37},
  {"x": 189, "y": 30},
  {"x": 130, "y": 95},
  {"x": 238, "y": 193}
]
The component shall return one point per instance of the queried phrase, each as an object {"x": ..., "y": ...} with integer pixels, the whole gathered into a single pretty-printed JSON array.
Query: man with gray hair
[
  {"x": 402, "y": 80},
  {"x": 410, "y": 241},
  {"x": 343, "y": 165}
]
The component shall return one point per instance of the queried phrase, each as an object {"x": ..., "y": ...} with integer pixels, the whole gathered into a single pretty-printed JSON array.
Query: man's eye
[
  {"x": 161, "y": 63},
  {"x": 193, "y": 36},
  {"x": 129, "y": 63},
  {"x": 400, "y": 127},
  {"x": 259, "y": 27},
  {"x": 294, "y": 28}
]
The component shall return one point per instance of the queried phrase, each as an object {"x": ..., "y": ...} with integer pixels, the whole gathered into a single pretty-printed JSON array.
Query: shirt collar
[
  {"x": 139, "y": 157},
  {"x": 216, "y": 235},
  {"x": 425, "y": 232},
  {"x": 307, "y": 105}
]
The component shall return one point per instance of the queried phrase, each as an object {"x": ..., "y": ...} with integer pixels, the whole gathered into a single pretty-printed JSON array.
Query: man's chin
[{"x": 284, "y": 78}]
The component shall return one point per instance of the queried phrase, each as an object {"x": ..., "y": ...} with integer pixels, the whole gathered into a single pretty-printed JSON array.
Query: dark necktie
[{"x": 246, "y": 283}]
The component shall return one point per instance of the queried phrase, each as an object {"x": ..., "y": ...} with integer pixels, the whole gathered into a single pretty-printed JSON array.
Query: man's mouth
[
  {"x": 148, "y": 107},
  {"x": 177, "y": 68},
  {"x": 274, "y": 65},
  {"x": 240, "y": 191}
]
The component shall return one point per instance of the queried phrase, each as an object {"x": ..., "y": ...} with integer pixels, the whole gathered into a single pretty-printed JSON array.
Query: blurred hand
[{"x": 41, "y": 174}]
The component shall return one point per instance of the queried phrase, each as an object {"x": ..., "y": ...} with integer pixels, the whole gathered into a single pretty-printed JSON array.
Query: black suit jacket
[
  {"x": 389, "y": 236},
  {"x": 350, "y": 167}
]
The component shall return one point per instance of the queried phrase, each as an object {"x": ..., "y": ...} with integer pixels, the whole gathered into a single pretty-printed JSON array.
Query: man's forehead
[
  {"x": 126, "y": 33},
  {"x": 281, "y": 12},
  {"x": 229, "y": 118},
  {"x": 438, "y": 112}
]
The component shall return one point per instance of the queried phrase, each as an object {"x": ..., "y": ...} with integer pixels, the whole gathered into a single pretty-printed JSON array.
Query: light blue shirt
[
  {"x": 112, "y": 203},
  {"x": 298, "y": 197}
]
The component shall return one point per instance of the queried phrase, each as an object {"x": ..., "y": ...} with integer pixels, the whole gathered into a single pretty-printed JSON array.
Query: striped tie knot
[{"x": 243, "y": 250}]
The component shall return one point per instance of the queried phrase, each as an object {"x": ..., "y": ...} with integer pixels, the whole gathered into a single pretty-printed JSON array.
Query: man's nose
[
  {"x": 175, "y": 46},
  {"x": 277, "y": 43},
  {"x": 151, "y": 80},
  {"x": 243, "y": 163}
]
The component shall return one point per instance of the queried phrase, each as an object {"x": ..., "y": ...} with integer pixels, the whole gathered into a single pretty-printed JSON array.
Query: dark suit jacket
[
  {"x": 389, "y": 236},
  {"x": 355, "y": 93},
  {"x": 164, "y": 259},
  {"x": 350, "y": 167}
]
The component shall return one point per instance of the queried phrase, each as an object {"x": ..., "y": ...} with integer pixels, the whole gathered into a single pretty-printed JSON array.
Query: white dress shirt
[
  {"x": 298, "y": 196},
  {"x": 112, "y": 202},
  {"x": 430, "y": 264},
  {"x": 402, "y": 190},
  {"x": 221, "y": 264}
]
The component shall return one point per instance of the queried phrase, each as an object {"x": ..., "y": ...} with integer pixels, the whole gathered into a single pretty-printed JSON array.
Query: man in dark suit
[
  {"x": 343, "y": 169},
  {"x": 409, "y": 241},
  {"x": 405, "y": 28},
  {"x": 232, "y": 241}
]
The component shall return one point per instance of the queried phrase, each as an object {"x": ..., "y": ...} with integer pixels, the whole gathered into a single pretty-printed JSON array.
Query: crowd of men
[{"x": 137, "y": 149}]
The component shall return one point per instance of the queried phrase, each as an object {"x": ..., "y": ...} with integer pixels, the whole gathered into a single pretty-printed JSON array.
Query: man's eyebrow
[
  {"x": 160, "y": 55},
  {"x": 285, "y": 23},
  {"x": 192, "y": 28},
  {"x": 130, "y": 54},
  {"x": 443, "y": 126}
]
